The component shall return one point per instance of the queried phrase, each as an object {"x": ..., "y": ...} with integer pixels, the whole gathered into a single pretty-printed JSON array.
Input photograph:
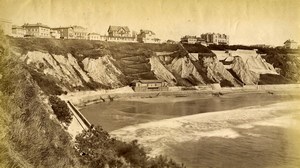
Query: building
[
  {"x": 215, "y": 38},
  {"x": 119, "y": 34},
  {"x": 94, "y": 36},
  {"x": 65, "y": 32},
  {"x": 18, "y": 31},
  {"x": 262, "y": 46},
  {"x": 147, "y": 36},
  {"x": 192, "y": 40},
  {"x": 55, "y": 34},
  {"x": 201, "y": 41},
  {"x": 72, "y": 32},
  {"x": 170, "y": 42},
  {"x": 149, "y": 85},
  {"x": 118, "y": 31},
  {"x": 6, "y": 26},
  {"x": 80, "y": 32},
  {"x": 290, "y": 44},
  {"x": 37, "y": 30},
  {"x": 189, "y": 39}
]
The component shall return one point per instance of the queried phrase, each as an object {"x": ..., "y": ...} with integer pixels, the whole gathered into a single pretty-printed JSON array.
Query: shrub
[
  {"x": 60, "y": 109},
  {"x": 163, "y": 162},
  {"x": 95, "y": 148},
  {"x": 46, "y": 83}
]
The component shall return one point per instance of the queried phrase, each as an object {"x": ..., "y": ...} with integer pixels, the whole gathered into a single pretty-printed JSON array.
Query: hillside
[
  {"x": 69, "y": 65},
  {"x": 31, "y": 70},
  {"x": 34, "y": 123}
]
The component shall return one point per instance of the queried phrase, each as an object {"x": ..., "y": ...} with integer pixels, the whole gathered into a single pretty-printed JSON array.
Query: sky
[{"x": 245, "y": 21}]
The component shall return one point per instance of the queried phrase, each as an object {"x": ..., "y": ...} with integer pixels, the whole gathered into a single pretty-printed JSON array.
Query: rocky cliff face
[
  {"x": 103, "y": 71},
  {"x": 245, "y": 65},
  {"x": 64, "y": 69},
  {"x": 243, "y": 72},
  {"x": 217, "y": 72},
  {"x": 69, "y": 75},
  {"x": 96, "y": 65}
]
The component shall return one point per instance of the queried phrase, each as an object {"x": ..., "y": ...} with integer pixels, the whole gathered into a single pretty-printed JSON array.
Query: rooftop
[
  {"x": 290, "y": 41},
  {"x": 94, "y": 34},
  {"x": 117, "y": 28},
  {"x": 17, "y": 27},
  {"x": 35, "y": 25},
  {"x": 147, "y": 32},
  {"x": 148, "y": 81}
]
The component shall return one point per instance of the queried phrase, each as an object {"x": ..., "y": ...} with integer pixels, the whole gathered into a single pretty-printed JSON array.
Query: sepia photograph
[{"x": 149, "y": 84}]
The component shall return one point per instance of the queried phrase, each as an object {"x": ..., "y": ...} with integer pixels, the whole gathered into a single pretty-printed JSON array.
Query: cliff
[
  {"x": 71, "y": 65},
  {"x": 32, "y": 69},
  {"x": 33, "y": 130}
]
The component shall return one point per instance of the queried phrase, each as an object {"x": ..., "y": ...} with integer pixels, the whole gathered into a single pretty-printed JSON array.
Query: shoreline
[
  {"x": 85, "y": 98},
  {"x": 158, "y": 137}
]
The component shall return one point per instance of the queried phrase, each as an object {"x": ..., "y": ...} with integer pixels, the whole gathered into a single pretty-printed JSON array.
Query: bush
[
  {"x": 46, "y": 83},
  {"x": 60, "y": 109},
  {"x": 95, "y": 148}
]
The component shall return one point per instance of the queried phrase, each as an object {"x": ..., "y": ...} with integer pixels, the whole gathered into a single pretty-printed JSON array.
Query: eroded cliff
[{"x": 83, "y": 65}]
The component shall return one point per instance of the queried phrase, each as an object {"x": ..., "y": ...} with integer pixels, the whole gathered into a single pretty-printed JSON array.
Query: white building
[
  {"x": 94, "y": 36},
  {"x": 189, "y": 39},
  {"x": 37, "y": 30},
  {"x": 290, "y": 44},
  {"x": 55, "y": 34},
  {"x": 18, "y": 31},
  {"x": 215, "y": 38},
  {"x": 147, "y": 36}
]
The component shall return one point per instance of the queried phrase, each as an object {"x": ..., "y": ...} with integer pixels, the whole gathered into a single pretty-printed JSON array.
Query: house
[
  {"x": 215, "y": 38},
  {"x": 72, "y": 32},
  {"x": 55, "y": 34},
  {"x": 65, "y": 32},
  {"x": 147, "y": 36},
  {"x": 80, "y": 32},
  {"x": 119, "y": 34},
  {"x": 18, "y": 31},
  {"x": 94, "y": 36},
  {"x": 6, "y": 26},
  {"x": 189, "y": 39},
  {"x": 201, "y": 41},
  {"x": 170, "y": 42},
  {"x": 37, "y": 30},
  {"x": 149, "y": 85},
  {"x": 290, "y": 44},
  {"x": 118, "y": 31}
]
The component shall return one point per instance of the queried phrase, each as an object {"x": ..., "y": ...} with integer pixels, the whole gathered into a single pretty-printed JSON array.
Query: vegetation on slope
[
  {"x": 61, "y": 110},
  {"x": 131, "y": 58},
  {"x": 97, "y": 149},
  {"x": 32, "y": 138}
]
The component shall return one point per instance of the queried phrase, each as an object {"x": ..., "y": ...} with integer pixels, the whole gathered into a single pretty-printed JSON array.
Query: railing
[{"x": 81, "y": 117}]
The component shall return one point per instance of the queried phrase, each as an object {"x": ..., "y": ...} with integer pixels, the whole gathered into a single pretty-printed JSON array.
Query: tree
[
  {"x": 60, "y": 109},
  {"x": 95, "y": 148}
]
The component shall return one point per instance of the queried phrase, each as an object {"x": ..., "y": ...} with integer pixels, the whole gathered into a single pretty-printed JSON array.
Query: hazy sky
[{"x": 245, "y": 21}]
